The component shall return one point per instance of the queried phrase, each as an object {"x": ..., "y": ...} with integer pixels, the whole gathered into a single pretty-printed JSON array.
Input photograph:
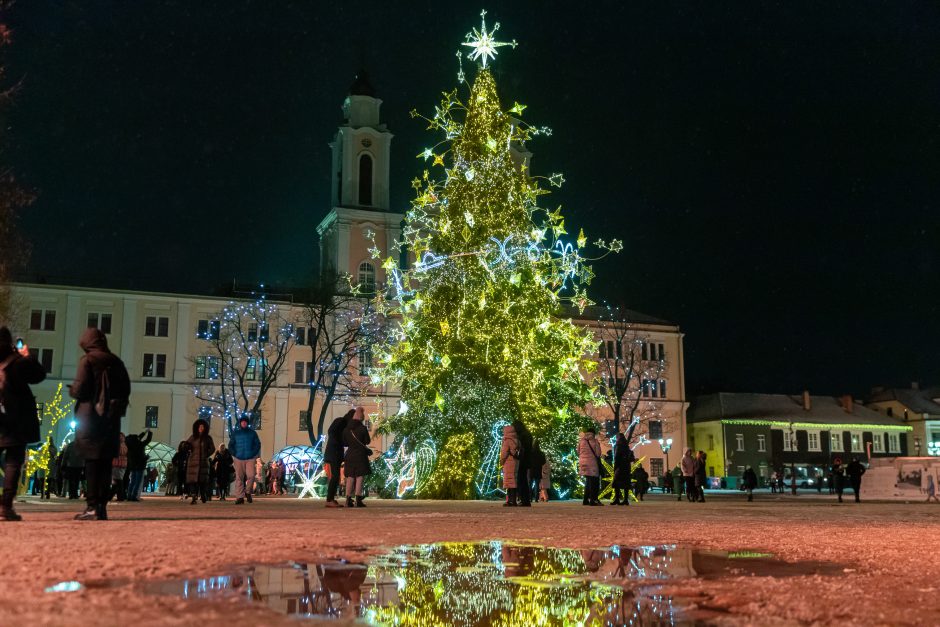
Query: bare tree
[
  {"x": 630, "y": 375},
  {"x": 341, "y": 329},
  {"x": 247, "y": 346}
]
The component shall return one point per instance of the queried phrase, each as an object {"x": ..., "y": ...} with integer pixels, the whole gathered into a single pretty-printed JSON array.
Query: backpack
[
  {"x": 3, "y": 382},
  {"x": 106, "y": 405}
]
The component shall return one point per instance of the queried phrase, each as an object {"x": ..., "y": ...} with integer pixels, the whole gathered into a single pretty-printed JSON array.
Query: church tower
[{"x": 359, "y": 192}]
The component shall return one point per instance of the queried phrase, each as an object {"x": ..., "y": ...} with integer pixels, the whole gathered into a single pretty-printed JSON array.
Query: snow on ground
[{"x": 890, "y": 566}]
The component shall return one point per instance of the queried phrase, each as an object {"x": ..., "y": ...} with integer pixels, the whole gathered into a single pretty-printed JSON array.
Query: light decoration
[
  {"x": 409, "y": 471},
  {"x": 607, "y": 478},
  {"x": 487, "y": 480},
  {"x": 482, "y": 339},
  {"x": 305, "y": 463},
  {"x": 483, "y": 43},
  {"x": 53, "y": 411},
  {"x": 813, "y": 425}
]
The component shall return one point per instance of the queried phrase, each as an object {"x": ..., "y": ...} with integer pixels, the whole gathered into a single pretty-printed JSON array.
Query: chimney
[
  {"x": 847, "y": 403},
  {"x": 807, "y": 403},
  {"x": 915, "y": 385}
]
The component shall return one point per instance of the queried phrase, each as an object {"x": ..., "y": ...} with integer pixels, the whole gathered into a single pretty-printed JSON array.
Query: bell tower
[{"x": 359, "y": 191}]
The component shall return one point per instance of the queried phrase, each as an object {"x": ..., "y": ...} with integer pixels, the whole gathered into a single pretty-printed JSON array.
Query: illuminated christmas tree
[{"x": 481, "y": 342}]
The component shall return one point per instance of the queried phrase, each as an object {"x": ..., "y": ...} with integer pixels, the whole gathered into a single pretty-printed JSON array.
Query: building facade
[
  {"x": 778, "y": 432},
  {"x": 917, "y": 407}
]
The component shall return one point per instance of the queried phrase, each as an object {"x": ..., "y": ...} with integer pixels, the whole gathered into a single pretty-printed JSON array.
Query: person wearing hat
[
  {"x": 245, "y": 446},
  {"x": 19, "y": 423}
]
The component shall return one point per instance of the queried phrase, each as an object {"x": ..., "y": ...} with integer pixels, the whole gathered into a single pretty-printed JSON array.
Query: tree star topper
[{"x": 482, "y": 42}]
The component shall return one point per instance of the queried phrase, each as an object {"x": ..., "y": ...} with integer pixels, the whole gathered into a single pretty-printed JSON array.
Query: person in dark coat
[
  {"x": 356, "y": 438},
  {"x": 855, "y": 470},
  {"x": 623, "y": 461},
  {"x": 641, "y": 482},
  {"x": 19, "y": 422},
  {"x": 537, "y": 462},
  {"x": 136, "y": 462},
  {"x": 524, "y": 463},
  {"x": 749, "y": 482},
  {"x": 333, "y": 455},
  {"x": 224, "y": 466},
  {"x": 838, "y": 476},
  {"x": 97, "y": 435},
  {"x": 700, "y": 477},
  {"x": 667, "y": 482},
  {"x": 201, "y": 448},
  {"x": 179, "y": 460}
]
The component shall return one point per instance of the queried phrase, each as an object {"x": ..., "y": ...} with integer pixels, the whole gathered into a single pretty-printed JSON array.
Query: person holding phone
[{"x": 19, "y": 422}]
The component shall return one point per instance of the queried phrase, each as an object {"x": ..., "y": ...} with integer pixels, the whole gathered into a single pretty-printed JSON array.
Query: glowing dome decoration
[
  {"x": 159, "y": 455},
  {"x": 305, "y": 464}
]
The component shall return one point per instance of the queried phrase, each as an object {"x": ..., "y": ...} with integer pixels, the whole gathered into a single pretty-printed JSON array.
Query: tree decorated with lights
[
  {"x": 479, "y": 343},
  {"x": 247, "y": 344}
]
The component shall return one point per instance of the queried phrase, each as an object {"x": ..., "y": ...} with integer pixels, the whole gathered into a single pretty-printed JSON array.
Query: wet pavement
[{"x": 491, "y": 583}]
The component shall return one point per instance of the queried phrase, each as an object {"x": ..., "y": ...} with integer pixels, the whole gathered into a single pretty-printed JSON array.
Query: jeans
[
  {"x": 134, "y": 484},
  {"x": 244, "y": 477}
]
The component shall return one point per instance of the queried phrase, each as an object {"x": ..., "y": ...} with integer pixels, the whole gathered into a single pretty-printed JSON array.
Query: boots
[
  {"x": 359, "y": 502},
  {"x": 510, "y": 497},
  {"x": 101, "y": 512},
  {"x": 349, "y": 502},
  {"x": 9, "y": 514}
]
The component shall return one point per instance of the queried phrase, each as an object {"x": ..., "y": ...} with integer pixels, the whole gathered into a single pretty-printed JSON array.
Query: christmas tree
[{"x": 481, "y": 341}]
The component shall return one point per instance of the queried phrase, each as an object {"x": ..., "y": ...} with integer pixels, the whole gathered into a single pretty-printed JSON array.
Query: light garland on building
[{"x": 814, "y": 425}]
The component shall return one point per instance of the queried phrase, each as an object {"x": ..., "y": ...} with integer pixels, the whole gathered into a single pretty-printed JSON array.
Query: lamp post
[{"x": 666, "y": 445}]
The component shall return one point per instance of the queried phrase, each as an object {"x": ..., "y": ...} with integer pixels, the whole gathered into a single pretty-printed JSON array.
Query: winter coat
[
  {"x": 546, "y": 480},
  {"x": 334, "y": 440},
  {"x": 202, "y": 448},
  {"x": 688, "y": 465},
  {"x": 121, "y": 460},
  {"x": 589, "y": 453},
  {"x": 525, "y": 447},
  {"x": 356, "y": 438},
  {"x": 20, "y": 424},
  {"x": 137, "y": 450},
  {"x": 224, "y": 468},
  {"x": 509, "y": 452},
  {"x": 642, "y": 479},
  {"x": 855, "y": 470},
  {"x": 244, "y": 443},
  {"x": 97, "y": 436},
  {"x": 623, "y": 462},
  {"x": 700, "y": 475},
  {"x": 749, "y": 479}
]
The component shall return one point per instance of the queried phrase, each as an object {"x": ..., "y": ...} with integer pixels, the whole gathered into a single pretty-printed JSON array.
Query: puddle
[{"x": 487, "y": 583}]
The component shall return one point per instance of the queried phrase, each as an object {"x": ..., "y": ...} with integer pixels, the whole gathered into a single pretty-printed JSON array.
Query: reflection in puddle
[{"x": 487, "y": 583}]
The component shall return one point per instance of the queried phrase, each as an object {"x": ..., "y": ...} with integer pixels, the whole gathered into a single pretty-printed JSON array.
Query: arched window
[
  {"x": 367, "y": 277},
  {"x": 365, "y": 179}
]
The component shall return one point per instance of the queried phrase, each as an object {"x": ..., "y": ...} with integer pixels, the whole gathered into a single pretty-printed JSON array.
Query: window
[
  {"x": 656, "y": 467},
  {"x": 251, "y": 370},
  {"x": 205, "y": 413},
  {"x": 662, "y": 353},
  {"x": 602, "y": 350},
  {"x": 365, "y": 179},
  {"x": 263, "y": 335},
  {"x": 367, "y": 277},
  {"x": 739, "y": 441},
  {"x": 813, "y": 441},
  {"x": 207, "y": 367},
  {"x": 761, "y": 443},
  {"x": 740, "y": 471},
  {"x": 101, "y": 321},
  {"x": 253, "y": 332},
  {"x": 835, "y": 441},
  {"x": 656, "y": 429},
  {"x": 894, "y": 445},
  {"x": 299, "y": 372},
  {"x": 304, "y": 420},
  {"x": 157, "y": 326},
  {"x": 300, "y": 336},
  {"x": 154, "y": 365},
  {"x": 662, "y": 388},
  {"x": 208, "y": 329},
  {"x": 856, "y": 443},
  {"x": 45, "y": 358},
  {"x": 365, "y": 360},
  {"x": 711, "y": 442},
  {"x": 152, "y": 416},
  {"x": 877, "y": 443},
  {"x": 644, "y": 351},
  {"x": 42, "y": 320},
  {"x": 646, "y": 387},
  {"x": 652, "y": 352},
  {"x": 788, "y": 439}
]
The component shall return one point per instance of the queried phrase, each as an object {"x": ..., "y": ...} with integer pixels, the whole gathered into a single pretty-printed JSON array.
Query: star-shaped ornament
[{"x": 482, "y": 42}]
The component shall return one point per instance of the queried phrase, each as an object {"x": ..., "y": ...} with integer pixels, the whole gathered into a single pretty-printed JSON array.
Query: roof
[
  {"x": 926, "y": 401},
  {"x": 599, "y": 312},
  {"x": 361, "y": 86},
  {"x": 784, "y": 408}
]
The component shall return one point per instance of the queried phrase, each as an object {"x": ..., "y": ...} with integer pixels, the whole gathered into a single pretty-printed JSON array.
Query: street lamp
[{"x": 666, "y": 445}]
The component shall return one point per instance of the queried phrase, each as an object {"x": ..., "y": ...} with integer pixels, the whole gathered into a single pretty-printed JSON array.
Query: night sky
[{"x": 773, "y": 168}]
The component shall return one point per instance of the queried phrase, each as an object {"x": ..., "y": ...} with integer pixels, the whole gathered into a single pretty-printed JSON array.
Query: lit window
[
  {"x": 367, "y": 277},
  {"x": 739, "y": 441},
  {"x": 856, "y": 443},
  {"x": 835, "y": 441}
]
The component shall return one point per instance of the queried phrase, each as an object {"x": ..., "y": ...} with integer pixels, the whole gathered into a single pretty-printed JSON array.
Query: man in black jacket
[
  {"x": 855, "y": 470},
  {"x": 136, "y": 462},
  {"x": 99, "y": 426},
  {"x": 19, "y": 424},
  {"x": 524, "y": 463},
  {"x": 333, "y": 455}
]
